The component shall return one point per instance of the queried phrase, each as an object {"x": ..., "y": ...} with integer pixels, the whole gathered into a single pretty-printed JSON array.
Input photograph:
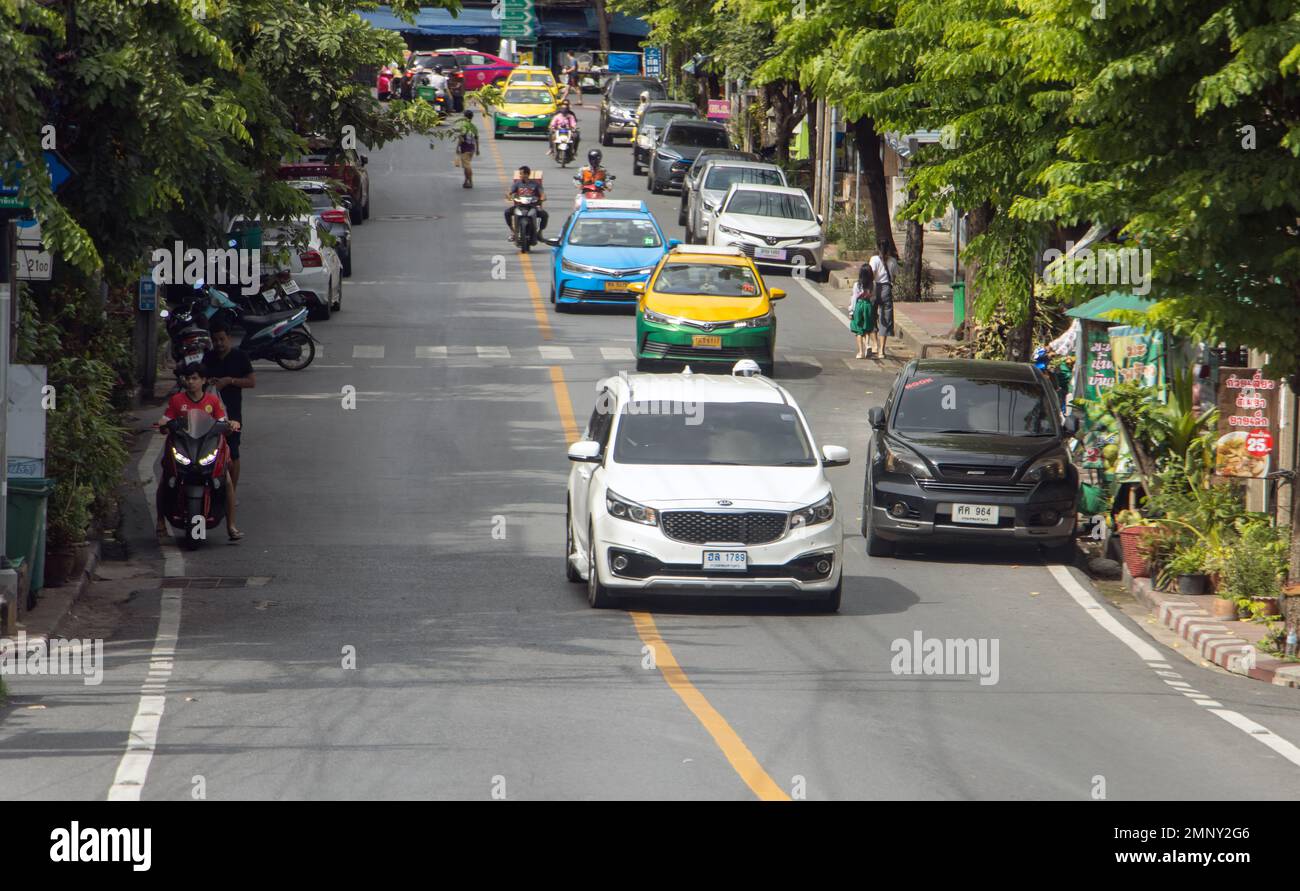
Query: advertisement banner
[
  {"x": 1098, "y": 368},
  {"x": 1248, "y": 423},
  {"x": 1139, "y": 356}
]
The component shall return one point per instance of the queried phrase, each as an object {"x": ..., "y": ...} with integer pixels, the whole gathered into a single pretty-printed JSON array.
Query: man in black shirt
[
  {"x": 526, "y": 185},
  {"x": 231, "y": 373}
]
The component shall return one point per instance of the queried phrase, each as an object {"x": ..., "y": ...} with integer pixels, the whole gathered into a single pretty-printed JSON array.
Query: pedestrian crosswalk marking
[
  {"x": 616, "y": 353},
  {"x": 555, "y": 352},
  {"x": 367, "y": 352},
  {"x": 493, "y": 352},
  {"x": 431, "y": 352}
]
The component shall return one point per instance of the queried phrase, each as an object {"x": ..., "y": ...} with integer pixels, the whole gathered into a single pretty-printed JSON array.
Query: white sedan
[
  {"x": 314, "y": 264},
  {"x": 775, "y": 225},
  {"x": 698, "y": 483}
]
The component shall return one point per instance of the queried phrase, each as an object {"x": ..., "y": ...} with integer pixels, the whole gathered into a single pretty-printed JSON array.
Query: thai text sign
[{"x": 1247, "y": 423}]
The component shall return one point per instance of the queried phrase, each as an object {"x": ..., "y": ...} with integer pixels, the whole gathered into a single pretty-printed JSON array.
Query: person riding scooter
[
  {"x": 564, "y": 119},
  {"x": 593, "y": 181},
  {"x": 525, "y": 185}
]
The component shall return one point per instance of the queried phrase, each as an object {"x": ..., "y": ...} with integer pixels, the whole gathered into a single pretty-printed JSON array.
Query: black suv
[
  {"x": 675, "y": 149},
  {"x": 969, "y": 450},
  {"x": 619, "y": 101}
]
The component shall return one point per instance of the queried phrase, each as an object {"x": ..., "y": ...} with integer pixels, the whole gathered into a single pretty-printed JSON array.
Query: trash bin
[
  {"x": 25, "y": 532},
  {"x": 958, "y": 304}
]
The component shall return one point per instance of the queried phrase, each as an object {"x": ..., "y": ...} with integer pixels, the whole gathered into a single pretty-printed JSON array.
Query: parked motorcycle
[
  {"x": 564, "y": 141},
  {"x": 281, "y": 336},
  {"x": 194, "y": 474},
  {"x": 525, "y": 218}
]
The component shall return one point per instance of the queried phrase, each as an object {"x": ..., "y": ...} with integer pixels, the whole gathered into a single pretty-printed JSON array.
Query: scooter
[
  {"x": 194, "y": 475},
  {"x": 564, "y": 141},
  {"x": 595, "y": 189},
  {"x": 525, "y": 212},
  {"x": 282, "y": 337}
]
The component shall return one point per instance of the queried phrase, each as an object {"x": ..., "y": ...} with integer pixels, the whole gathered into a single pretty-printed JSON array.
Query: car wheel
[
  {"x": 354, "y": 213},
  {"x": 605, "y": 138},
  {"x": 681, "y": 217},
  {"x": 346, "y": 260},
  {"x": 597, "y": 594},
  {"x": 365, "y": 208},
  {"x": 570, "y": 571},
  {"x": 876, "y": 546},
  {"x": 830, "y": 601},
  {"x": 338, "y": 299},
  {"x": 651, "y": 184}
]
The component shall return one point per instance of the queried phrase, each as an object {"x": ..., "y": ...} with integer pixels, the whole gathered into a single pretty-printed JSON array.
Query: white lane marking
[
  {"x": 824, "y": 301},
  {"x": 367, "y": 352},
  {"x": 493, "y": 352},
  {"x": 431, "y": 352},
  {"x": 1151, "y": 656},
  {"x": 133, "y": 769},
  {"x": 1209, "y": 703},
  {"x": 1169, "y": 674},
  {"x": 555, "y": 352},
  {"x": 1179, "y": 684},
  {"x": 617, "y": 354},
  {"x": 320, "y": 352}
]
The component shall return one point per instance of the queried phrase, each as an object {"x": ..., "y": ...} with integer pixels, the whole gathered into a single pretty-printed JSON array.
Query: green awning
[{"x": 1095, "y": 309}]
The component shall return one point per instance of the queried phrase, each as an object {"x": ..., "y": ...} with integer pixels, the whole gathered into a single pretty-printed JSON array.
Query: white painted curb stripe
[{"x": 1263, "y": 734}]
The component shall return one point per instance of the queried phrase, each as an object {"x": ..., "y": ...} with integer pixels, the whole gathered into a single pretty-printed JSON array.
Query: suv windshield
[
  {"x": 721, "y": 178},
  {"x": 708, "y": 279},
  {"x": 631, "y": 90},
  {"x": 659, "y": 118},
  {"x": 697, "y": 137},
  {"x": 770, "y": 204},
  {"x": 614, "y": 233},
  {"x": 943, "y": 404},
  {"x": 762, "y": 434}
]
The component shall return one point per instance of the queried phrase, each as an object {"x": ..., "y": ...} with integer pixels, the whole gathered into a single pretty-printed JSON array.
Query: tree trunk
[
  {"x": 602, "y": 22},
  {"x": 787, "y": 106},
  {"x": 867, "y": 141},
  {"x": 913, "y": 252},
  {"x": 977, "y": 223}
]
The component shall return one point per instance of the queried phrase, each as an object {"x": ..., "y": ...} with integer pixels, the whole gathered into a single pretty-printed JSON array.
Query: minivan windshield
[
  {"x": 933, "y": 403},
  {"x": 721, "y": 178},
  {"x": 755, "y": 434}
]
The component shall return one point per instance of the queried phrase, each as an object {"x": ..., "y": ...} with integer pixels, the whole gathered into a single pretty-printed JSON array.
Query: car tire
[
  {"x": 651, "y": 184},
  {"x": 337, "y": 306},
  {"x": 644, "y": 364},
  {"x": 681, "y": 217},
  {"x": 365, "y": 208},
  {"x": 598, "y": 596},
  {"x": 831, "y": 600},
  {"x": 570, "y": 571},
  {"x": 876, "y": 546},
  {"x": 605, "y": 138},
  {"x": 346, "y": 260}
]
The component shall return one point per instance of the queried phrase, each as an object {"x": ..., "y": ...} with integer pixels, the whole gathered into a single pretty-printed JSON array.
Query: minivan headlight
[
  {"x": 630, "y": 510},
  {"x": 821, "y": 512},
  {"x": 900, "y": 459},
  {"x": 1048, "y": 468}
]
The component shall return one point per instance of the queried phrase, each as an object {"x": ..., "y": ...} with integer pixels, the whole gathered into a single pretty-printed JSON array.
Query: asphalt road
[{"x": 421, "y": 534}]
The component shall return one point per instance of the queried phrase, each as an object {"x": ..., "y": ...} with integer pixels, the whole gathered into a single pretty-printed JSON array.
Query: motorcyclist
[
  {"x": 640, "y": 106},
  {"x": 524, "y": 184},
  {"x": 592, "y": 173},
  {"x": 564, "y": 119}
]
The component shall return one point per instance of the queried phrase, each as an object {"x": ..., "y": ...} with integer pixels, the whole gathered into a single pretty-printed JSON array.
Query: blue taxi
[{"x": 605, "y": 246}]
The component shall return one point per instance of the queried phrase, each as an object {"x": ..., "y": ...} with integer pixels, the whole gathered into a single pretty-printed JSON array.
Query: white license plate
[
  {"x": 726, "y": 561},
  {"x": 769, "y": 253},
  {"x": 981, "y": 514}
]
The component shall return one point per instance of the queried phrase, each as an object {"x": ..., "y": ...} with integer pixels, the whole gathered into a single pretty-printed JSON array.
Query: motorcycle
[
  {"x": 194, "y": 474},
  {"x": 592, "y": 190},
  {"x": 564, "y": 140},
  {"x": 282, "y": 336},
  {"x": 525, "y": 216}
]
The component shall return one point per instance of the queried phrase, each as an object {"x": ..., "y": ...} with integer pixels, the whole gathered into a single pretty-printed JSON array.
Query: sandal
[{"x": 235, "y": 534}]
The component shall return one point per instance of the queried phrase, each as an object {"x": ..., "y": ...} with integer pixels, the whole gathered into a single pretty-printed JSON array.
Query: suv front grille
[
  {"x": 976, "y": 473},
  {"x": 974, "y": 488},
  {"x": 718, "y": 527}
]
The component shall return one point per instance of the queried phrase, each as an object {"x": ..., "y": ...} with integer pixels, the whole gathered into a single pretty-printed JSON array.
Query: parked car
[
  {"x": 332, "y": 210},
  {"x": 326, "y": 161},
  {"x": 697, "y": 167},
  {"x": 969, "y": 450},
  {"x": 479, "y": 68},
  {"x": 299, "y": 245},
  {"x": 775, "y": 225},
  {"x": 618, "y": 104},
  {"x": 676, "y": 147},
  {"x": 604, "y": 247},
  {"x": 706, "y": 307},
  {"x": 732, "y": 499},
  {"x": 653, "y": 117},
  {"x": 711, "y": 186}
]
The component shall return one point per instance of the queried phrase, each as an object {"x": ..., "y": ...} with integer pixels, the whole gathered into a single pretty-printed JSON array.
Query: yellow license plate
[
  {"x": 525, "y": 125},
  {"x": 707, "y": 340},
  {"x": 615, "y": 286}
]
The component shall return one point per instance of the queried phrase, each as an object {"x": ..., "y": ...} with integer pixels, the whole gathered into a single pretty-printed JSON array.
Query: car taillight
[
  {"x": 334, "y": 216},
  {"x": 310, "y": 258}
]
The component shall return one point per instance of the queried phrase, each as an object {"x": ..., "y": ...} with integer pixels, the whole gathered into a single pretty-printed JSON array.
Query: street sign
[
  {"x": 518, "y": 20},
  {"x": 34, "y": 265},
  {"x": 654, "y": 63},
  {"x": 60, "y": 173},
  {"x": 148, "y": 294}
]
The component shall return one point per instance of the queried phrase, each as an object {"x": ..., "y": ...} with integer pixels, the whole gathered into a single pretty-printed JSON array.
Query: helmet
[
  {"x": 593, "y": 158},
  {"x": 468, "y": 114},
  {"x": 645, "y": 95}
]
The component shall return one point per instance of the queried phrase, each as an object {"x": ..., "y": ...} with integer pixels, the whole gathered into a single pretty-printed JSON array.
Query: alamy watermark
[
  {"x": 179, "y": 265},
  {"x": 675, "y": 401},
  {"x": 41, "y": 656},
  {"x": 946, "y": 656},
  {"x": 1112, "y": 266}
]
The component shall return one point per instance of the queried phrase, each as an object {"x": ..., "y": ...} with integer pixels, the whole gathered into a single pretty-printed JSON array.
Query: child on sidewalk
[{"x": 861, "y": 321}]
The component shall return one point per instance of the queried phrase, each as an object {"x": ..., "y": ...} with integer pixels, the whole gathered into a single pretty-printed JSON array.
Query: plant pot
[
  {"x": 1194, "y": 583},
  {"x": 1132, "y": 538},
  {"x": 1223, "y": 608},
  {"x": 1271, "y": 605},
  {"x": 58, "y": 565}
]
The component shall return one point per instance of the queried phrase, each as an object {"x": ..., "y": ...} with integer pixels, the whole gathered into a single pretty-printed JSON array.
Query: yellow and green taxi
[
  {"x": 524, "y": 110},
  {"x": 533, "y": 76},
  {"x": 705, "y": 304}
]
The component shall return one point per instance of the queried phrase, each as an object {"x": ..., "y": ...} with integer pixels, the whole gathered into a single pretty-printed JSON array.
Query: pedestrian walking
[
  {"x": 466, "y": 148},
  {"x": 861, "y": 319},
  {"x": 572, "y": 78},
  {"x": 878, "y": 276}
]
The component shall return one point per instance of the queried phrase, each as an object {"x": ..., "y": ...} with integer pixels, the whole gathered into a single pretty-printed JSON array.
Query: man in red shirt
[{"x": 191, "y": 398}]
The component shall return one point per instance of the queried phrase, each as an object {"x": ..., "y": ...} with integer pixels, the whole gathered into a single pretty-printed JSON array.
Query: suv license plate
[
  {"x": 981, "y": 514},
  {"x": 726, "y": 561}
]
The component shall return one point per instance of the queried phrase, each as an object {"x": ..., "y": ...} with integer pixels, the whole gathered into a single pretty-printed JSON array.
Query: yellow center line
[
  {"x": 525, "y": 262},
  {"x": 733, "y": 748}
]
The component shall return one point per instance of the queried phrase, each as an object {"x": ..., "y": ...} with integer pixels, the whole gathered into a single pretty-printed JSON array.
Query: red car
[
  {"x": 480, "y": 68},
  {"x": 347, "y": 166}
]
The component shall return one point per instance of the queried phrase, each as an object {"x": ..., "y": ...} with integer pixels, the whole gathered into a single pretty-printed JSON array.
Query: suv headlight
[
  {"x": 1050, "y": 467},
  {"x": 762, "y": 321},
  {"x": 658, "y": 318},
  {"x": 821, "y": 512},
  {"x": 668, "y": 154},
  {"x": 900, "y": 459},
  {"x": 630, "y": 510}
]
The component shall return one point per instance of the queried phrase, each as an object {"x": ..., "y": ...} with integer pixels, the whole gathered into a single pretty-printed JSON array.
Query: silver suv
[{"x": 709, "y": 187}]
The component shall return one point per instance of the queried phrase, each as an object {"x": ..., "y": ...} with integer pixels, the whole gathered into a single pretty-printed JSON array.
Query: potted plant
[
  {"x": 1253, "y": 568},
  {"x": 1135, "y": 531},
  {"x": 1187, "y": 566},
  {"x": 66, "y": 524}
]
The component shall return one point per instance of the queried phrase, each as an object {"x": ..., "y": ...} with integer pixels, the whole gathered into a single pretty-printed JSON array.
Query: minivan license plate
[
  {"x": 726, "y": 561},
  {"x": 983, "y": 514}
]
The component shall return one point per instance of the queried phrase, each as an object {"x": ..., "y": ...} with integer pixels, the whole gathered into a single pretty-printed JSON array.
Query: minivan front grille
[{"x": 740, "y": 527}]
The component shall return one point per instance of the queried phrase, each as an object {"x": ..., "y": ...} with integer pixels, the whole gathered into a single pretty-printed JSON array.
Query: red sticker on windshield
[
  {"x": 747, "y": 288},
  {"x": 919, "y": 383}
]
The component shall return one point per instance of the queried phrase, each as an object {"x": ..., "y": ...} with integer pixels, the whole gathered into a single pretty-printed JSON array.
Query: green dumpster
[
  {"x": 25, "y": 532},
  {"x": 958, "y": 304}
]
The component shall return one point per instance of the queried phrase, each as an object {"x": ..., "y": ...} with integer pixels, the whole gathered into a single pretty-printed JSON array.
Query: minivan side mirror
[
  {"x": 586, "y": 451},
  {"x": 673, "y": 242},
  {"x": 834, "y": 456},
  {"x": 876, "y": 416}
]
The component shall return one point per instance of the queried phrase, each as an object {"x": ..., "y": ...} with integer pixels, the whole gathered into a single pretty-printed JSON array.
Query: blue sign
[
  {"x": 654, "y": 64},
  {"x": 60, "y": 173},
  {"x": 148, "y": 294}
]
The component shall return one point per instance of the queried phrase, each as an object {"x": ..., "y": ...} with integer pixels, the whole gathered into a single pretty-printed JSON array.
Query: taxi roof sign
[
  {"x": 613, "y": 204},
  {"x": 728, "y": 251}
]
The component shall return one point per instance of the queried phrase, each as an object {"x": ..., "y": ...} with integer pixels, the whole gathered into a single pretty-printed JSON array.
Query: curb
[
  {"x": 54, "y": 603},
  {"x": 1211, "y": 637}
]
